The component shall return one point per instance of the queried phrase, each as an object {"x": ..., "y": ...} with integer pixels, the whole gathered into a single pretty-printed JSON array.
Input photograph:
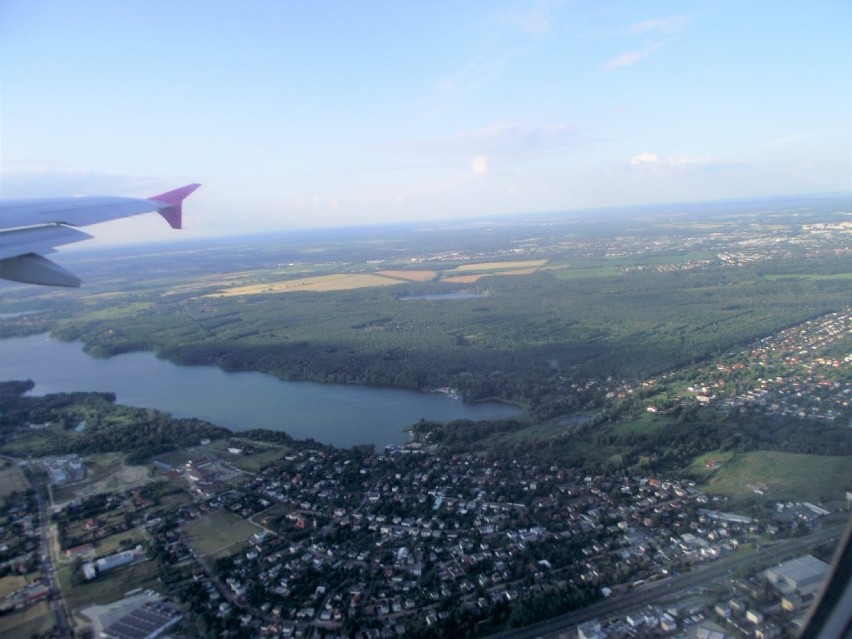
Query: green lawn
[
  {"x": 112, "y": 544},
  {"x": 110, "y": 586},
  {"x": 698, "y": 468},
  {"x": 12, "y": 583},
  {"x": 783, "y": 476},
  {"x": 12, "y": 479},
  {"x": 265, "y": 453},
  {"x": 33, "y": 620},
  {"x": 218, "y": 530},
  {"x": 646, "y": 423}
]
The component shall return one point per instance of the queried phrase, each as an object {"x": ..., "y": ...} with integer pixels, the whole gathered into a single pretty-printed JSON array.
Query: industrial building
[{"x": 803, "y": 574}]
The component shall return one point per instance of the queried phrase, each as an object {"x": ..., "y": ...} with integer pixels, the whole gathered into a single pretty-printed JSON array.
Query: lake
[{"x": 337, "y": 414}]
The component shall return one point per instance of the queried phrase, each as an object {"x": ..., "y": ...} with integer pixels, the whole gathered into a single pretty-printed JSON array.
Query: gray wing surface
[{"x": 31, "y": 228}]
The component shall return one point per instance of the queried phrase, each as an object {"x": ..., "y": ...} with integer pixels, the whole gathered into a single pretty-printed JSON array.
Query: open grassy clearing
[
  {"x": 105, "y": 472},
  {"x": 783, "y": 476},
  {"x": 255, "y": 462},
  {"x": 520, "y": 271},
  {"x": 410, "y": 276},
  {"x": 175, "y": 500},
  {"x": 463, "y": 279},
  {"x": 647, "y": 423},
  {"x": 218, "y": 531},
  {"x": 703, "y": 466},
  {"x": 811, "y": 276},
  {"x": 498, "y": 266},
  {"x": 110, "y": 586},
  {"x": 12, "y": 479},
  {"x": 36, "y": 620},
  {"x": 113, "y": 543},
  {"x": 11, "y": 583}
]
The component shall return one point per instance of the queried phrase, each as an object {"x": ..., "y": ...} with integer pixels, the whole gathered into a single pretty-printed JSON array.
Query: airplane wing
[{"x": 30, "y": 228}]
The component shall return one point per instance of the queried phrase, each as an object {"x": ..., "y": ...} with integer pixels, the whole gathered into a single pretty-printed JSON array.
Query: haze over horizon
[{"x": 333, "y": 114}]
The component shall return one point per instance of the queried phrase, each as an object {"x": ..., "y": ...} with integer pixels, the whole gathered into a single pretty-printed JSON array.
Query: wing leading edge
[{"x": 30, "y": 228}]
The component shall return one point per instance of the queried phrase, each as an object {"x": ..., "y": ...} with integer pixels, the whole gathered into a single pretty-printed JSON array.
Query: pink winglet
[{"x": 172, "y": 211}]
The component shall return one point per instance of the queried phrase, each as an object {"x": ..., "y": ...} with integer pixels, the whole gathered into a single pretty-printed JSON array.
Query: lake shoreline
[{"x": 338, "y": 414}]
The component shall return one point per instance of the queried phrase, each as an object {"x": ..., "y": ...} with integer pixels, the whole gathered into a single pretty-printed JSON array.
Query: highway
[{"x": 654, "y": 592}]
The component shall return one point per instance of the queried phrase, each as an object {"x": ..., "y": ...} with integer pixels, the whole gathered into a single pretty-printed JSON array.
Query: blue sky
[{"x": 310, "y": 114}]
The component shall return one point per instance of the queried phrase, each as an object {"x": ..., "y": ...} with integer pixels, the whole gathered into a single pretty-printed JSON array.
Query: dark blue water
[{"x": 338, "y": 414}]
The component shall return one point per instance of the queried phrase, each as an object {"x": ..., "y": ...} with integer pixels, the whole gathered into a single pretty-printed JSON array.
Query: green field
[
  {"x": 263, "y": 455},
  {"x": 112, "y": 544},
  {"x": 783, "y": 476},
  {"x": 11, "y": 479},
  {"x": 110, "y": 586},
  {"x": 33, "y": 620},
  {"x": 698, "y": 468},
  {"x": 218, "y": 531},
  {"x": 646, "y": 423},
  {"x": 811, "y": 276},
  {"x": 12, "y": 583}
]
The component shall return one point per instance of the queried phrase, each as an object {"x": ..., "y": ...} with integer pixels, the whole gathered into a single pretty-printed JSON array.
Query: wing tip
[{"x": 172, "y": 212}]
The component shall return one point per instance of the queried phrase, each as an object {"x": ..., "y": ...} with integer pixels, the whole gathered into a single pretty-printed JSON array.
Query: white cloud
[
  {"x": 663, "y": 29},
  {"x": 644, "y": 158},
  {"x": 654, "y": 161},
  {"x": 789, "y": 139},
  {"x": 479, "y": 165},
  {"x": 631, "y": 57},
  {"x": 24, "y": 177},
  {"x": 624, "y": 60}
]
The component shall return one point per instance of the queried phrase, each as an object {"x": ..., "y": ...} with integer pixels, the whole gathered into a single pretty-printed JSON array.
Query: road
[
  {"x": 654, "y": 592},
  {"x": 56, "y": 601}
]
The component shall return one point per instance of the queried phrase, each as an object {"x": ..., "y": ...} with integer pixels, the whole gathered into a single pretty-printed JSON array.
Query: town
[
  {"x": 692, "y": 502},
  {"x": 415, "y": 542}
]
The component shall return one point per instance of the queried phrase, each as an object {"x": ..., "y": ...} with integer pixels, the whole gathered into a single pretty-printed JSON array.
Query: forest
[
  {"x": 515, "y": 343},
  {"x": 88, "y": 423},
  {"x": 624, "y": 295}
]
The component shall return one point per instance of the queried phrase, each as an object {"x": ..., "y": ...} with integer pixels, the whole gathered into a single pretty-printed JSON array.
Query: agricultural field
[
  {"x": 410, "y": 276},
  {"x": 462, "y": 279},
  {"x": 499, "y": 266},
  {"x": 318, "y": 284}
]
